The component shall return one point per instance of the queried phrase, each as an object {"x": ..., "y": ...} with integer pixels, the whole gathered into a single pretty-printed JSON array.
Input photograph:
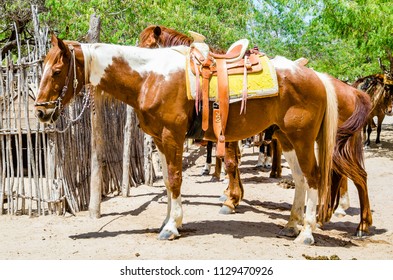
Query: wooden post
[
  {"x": 148, "y": 163},
  {"x": 125, "y": 183},
  {"x": 97, "y": 147}
]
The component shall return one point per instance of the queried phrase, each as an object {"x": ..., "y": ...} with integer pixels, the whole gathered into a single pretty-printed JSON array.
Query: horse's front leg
[
  {"x": 172, "y": 174},
  {"x": 343, "y": 203},
  {"x": 379, "y": 129},
  {"x": 234, "y": 193},
  {"x": 300, "y": 156},
  {"x": 369, "y": 130}
]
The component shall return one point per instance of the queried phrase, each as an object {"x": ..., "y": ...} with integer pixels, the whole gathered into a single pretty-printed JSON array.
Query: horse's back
[{"x": 349, "y": 98}]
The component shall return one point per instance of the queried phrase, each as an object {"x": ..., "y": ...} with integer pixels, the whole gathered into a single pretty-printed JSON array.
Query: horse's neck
[{"x": 117, "y": 68}]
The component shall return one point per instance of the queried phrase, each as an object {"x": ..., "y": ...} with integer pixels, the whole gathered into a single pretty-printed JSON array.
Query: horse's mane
[
  {"x": 170, "y": 37},
  {"x": 374, "y": 78}
]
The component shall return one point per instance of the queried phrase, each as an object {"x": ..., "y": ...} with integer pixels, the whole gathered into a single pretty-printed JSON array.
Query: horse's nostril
[{"x": 40, "y": 114}]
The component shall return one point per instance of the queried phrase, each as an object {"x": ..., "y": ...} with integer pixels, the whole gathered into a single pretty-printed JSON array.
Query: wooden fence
[{"x": 45, "y": 169}]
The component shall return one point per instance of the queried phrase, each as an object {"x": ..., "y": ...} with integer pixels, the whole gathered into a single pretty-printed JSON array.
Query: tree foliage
[
  {"x": 368, "y": 25},
  {"x": 341, "y": 37},
  {"x": 123, "y": 20}
]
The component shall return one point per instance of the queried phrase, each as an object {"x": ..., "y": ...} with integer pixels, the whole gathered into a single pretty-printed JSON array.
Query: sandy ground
[{"x": 129, "y": 227}]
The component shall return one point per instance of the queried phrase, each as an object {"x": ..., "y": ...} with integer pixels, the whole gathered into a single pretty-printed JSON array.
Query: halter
[
  {"x": 71, "y": 67},
  {"x": 57, "y": 102}
]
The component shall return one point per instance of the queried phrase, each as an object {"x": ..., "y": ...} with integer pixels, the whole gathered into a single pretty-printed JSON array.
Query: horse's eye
[{"x": 56, "y": 72}]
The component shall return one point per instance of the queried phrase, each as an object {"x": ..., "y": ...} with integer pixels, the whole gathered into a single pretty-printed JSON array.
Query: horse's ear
[
  {"x": 157, "y": 31},
  {"x": 56, "y": 42}
]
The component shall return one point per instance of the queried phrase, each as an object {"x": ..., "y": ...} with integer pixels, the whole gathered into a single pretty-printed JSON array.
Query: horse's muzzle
[{"x": 46, "y": 115}]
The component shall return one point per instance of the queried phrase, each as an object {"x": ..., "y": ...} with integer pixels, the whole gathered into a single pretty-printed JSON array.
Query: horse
[
  {"x": 155, "y": 36},
  {"x": 153, "y": 81},
  {"x": 158, "y": 36},
  {"x": 381, "y": 95}
]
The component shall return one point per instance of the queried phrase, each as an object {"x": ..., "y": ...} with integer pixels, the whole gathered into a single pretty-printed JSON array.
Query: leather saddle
[{"x": 237, "y": 60}]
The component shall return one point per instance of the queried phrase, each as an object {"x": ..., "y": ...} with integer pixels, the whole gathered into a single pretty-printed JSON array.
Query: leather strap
[
  {"x": 223, "y": 100},
  {"x": 206, "y": 75}
]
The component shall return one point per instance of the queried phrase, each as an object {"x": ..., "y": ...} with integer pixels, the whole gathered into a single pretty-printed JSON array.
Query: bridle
[
  {"x": 58, "y": 102},
  {"x": 71, "y": 67}
]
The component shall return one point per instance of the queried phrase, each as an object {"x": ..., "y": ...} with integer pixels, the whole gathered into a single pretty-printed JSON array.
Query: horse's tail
[
  {"x": 348, "y": 156},
  {"x": 326, "y": 144}
]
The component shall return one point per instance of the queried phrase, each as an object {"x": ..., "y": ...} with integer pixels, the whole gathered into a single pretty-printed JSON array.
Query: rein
[{"x": 57, "y": 102}]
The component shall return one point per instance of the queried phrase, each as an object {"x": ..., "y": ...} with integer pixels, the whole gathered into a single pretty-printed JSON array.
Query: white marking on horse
[
  {"x": 47, "y": 68},
  {"x": 283, "y": 63},
  {"x": 142, "y": 60},
  {"x": 297, "y": 211}
]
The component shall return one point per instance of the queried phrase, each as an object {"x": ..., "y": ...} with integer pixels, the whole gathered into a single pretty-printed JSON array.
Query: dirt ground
[{"x": 129, "y": 227}]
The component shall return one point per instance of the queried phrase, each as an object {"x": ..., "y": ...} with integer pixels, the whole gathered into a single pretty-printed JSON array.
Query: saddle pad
[{"x": 260, "y": 85}]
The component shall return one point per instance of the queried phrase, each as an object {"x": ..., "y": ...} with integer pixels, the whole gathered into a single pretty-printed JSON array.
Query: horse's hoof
[
  {"x": 361, "y": 233},
  {"x": 206, "y": 169},
  {"x": 273, "y": 175},
  {"x": 168, "y": 235},
  {"x": 289, "y": 232},
  {"x": 223, "y": 198},
  {"x": 305, "y": 240},
  {"x": 340, "y": 213},
  {"x": 226, "y": 210},
  {"x": 214, "y": 179}
]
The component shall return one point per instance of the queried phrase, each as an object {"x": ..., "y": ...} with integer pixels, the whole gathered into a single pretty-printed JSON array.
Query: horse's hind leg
[
  {"x": 343, "y": 203},
  {"x": 302, "y": 161},
  {"x": 365, "y": 215},
  {"x": 292, "y": 228},
  {"x": 234, "y": 192},
  {"x": 350, "y": 164},
  {"x": 276, "y": 164}
]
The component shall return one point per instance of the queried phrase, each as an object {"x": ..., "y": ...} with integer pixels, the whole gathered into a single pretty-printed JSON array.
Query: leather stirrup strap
[
  {"x": 223, "y": 100},
  {"x": 206, "y": 74}
]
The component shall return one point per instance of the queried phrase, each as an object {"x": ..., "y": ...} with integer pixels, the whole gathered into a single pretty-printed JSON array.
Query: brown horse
[
  {"x": 155, "y": 36},
  {"x": 381, "y": 95},
  {"x": 153, "y": 81}
]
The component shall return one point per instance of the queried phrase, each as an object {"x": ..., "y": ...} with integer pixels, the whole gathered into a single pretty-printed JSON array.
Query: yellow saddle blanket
[{"x": 260, "y": 84}]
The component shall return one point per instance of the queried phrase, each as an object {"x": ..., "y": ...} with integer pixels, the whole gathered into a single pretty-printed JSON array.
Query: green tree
[
  {"x": 341, "y": 37},
  {"x": 368, "y": 25},
  {"x": 122, "y": 20},
  {"x": 15, "y": 19}
]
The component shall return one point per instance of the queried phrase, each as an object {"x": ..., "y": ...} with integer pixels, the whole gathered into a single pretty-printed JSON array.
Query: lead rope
[{"x": 85, "y": 104}]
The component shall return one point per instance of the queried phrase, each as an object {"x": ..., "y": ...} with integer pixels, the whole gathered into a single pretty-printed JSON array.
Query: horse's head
[
  {"x": 150, "y": 37},
  {"x": 388, "y": 100},
  {"x": 62, "y": 78}
]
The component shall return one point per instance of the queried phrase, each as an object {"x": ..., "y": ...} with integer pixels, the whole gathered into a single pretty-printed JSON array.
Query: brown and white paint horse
[
  {"x": 153, "y": 81},
  {"x": 158, "y": 36}
]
